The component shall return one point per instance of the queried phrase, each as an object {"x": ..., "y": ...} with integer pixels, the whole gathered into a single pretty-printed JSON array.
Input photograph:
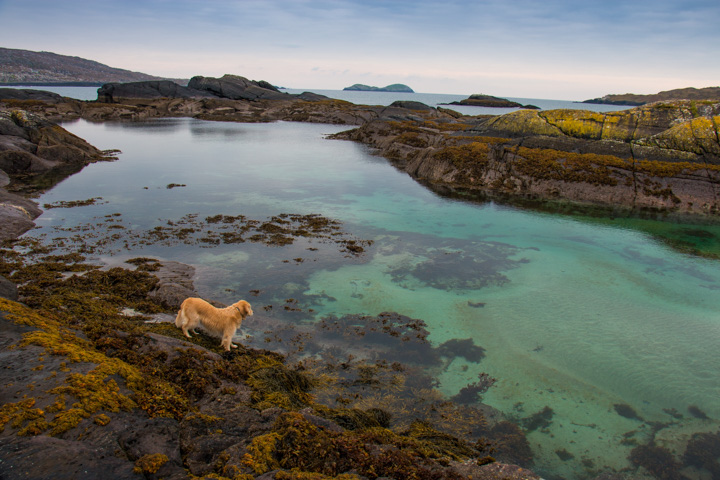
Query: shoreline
[{"x": 354, "y": 115}]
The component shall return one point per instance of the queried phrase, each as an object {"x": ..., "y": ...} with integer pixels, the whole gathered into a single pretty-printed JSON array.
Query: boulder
[{"x": 16, "y": 215}]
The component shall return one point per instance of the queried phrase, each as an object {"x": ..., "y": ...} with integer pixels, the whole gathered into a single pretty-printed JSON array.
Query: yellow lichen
[
  {"x": 102, "y": 420},
  {"x": 150, "y": 463}
]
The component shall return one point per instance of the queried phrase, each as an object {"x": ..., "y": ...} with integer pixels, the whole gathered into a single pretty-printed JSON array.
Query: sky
[{"x": 549, "y": 49}]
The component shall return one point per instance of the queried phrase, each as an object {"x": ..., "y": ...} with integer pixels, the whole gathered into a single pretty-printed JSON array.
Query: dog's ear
[{"x": 245, "y": 308}]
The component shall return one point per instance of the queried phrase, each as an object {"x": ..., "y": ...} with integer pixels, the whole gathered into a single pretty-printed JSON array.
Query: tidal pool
[{"x": 597, "y": 318}]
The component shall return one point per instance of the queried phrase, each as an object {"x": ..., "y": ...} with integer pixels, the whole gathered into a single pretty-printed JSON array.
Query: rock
[
  {"x": 312, "y": 97},
  {"x": 175, "y": 284},
  {"x": 236, "y": 88},
  {"x": 16, "y": 215},
  {"x": 49, "y": 458},
  {"x": 395, "y": 87},
  {"x": 411, "y": 105},
  {"x": 29, "y": 94},
  {"x": 479, "y": 100},
  {"x": 8, "y": 289},
  {"x": 111, "y": 92}
]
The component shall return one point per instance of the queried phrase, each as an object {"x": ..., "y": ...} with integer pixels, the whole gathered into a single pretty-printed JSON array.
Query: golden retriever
[{"x": 224, "y": 321}]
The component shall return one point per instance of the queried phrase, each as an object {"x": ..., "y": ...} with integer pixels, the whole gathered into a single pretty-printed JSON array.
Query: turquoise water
[{"x": 573, "y": 314}]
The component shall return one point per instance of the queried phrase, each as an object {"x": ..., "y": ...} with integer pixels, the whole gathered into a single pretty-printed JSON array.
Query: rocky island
[
  {"x": 395, "y": 87},
  {"x": 481, "y": 100},
  {"x": 98, "y": 376}
]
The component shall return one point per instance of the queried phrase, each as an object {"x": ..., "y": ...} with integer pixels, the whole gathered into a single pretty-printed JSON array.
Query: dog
[{"x": 196, "y": 312}]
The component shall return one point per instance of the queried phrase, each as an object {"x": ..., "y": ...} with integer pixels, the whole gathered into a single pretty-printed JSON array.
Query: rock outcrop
[
  {"x": 34, "y": 154},
  {"x": 236, "y": 87},
  {"x": 663, "y": 156},
  {"x": 112, "y": 92},
  {"x": 480, "y": 100}
]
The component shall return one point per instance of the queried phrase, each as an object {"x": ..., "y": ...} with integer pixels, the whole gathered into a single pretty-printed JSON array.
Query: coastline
[{"x": 331, "y": 112}]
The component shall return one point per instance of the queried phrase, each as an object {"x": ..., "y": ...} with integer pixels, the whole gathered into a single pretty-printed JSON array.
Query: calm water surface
[
  {"x": 575, "y": 315},
  {"x": 386, "y": 98}
]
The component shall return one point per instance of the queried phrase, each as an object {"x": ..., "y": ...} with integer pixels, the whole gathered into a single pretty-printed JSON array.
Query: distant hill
[
  {"x": 24, "y": 67},
  {"x": 395, "y": 87},
  {"x": 708, "y": 93}
]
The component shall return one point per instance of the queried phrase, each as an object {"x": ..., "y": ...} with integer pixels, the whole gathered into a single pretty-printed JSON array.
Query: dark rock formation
[
  {"x": 411, "y": 105},
  {"x": 148, "y": 89},
  {"x": 236, "y": 87},
  {"x": 29, "y": 94},
  {"x": 479, "y": 100},
  {"x": 395, "y": 87},
  {"x": 34, "y": 154}
]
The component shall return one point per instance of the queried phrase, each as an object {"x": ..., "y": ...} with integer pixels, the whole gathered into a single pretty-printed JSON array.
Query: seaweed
[
  {"x": 625, "y": 410},
  {"x": 539, "y": 420},
  {"x": 657, "y": 460}
]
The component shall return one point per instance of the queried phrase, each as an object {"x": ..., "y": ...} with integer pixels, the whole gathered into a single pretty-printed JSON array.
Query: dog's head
[{"x": 244, "y": 308}]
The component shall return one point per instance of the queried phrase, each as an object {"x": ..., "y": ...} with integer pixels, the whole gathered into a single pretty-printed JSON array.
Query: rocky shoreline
[{"x": 97, "y": 375}]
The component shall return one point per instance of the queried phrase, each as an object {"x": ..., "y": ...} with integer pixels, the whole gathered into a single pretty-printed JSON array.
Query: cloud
[{"x": 534, "y": 46}]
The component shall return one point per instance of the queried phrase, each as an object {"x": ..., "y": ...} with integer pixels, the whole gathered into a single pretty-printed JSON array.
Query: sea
[
  {"x": 386, "y": 98},
  {"x": 590, "y": 316}
]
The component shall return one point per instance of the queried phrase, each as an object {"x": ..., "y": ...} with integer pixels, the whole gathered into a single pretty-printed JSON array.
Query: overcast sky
[{"x": 556, "y": 49}]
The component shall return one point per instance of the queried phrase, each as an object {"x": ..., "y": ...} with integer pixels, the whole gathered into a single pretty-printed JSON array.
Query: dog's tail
[{"x": 179, "y": 320}]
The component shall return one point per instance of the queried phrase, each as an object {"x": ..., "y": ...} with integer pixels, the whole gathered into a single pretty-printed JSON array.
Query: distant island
[
  {"x": 632, "y": 99},
  {"x": 395, "y": 87},
  {"x": 25, "y": 67},
  {"x": 480, "y": 100}
]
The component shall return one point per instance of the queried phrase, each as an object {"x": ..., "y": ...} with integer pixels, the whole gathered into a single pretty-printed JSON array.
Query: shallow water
[{"x": 579, "y": 314}]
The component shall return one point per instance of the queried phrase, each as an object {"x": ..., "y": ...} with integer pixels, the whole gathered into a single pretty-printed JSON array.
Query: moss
[{"x": 150, "y": 463}]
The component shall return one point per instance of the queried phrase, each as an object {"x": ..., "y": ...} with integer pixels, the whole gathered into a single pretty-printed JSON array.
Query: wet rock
[
  {"x": 175, "y": 284},
  {"x": 16, "y": 215},
  {"x": 49, "y": 458}
]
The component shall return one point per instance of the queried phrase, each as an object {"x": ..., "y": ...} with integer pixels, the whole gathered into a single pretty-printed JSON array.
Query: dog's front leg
[{"x": 227, "y": 339}]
